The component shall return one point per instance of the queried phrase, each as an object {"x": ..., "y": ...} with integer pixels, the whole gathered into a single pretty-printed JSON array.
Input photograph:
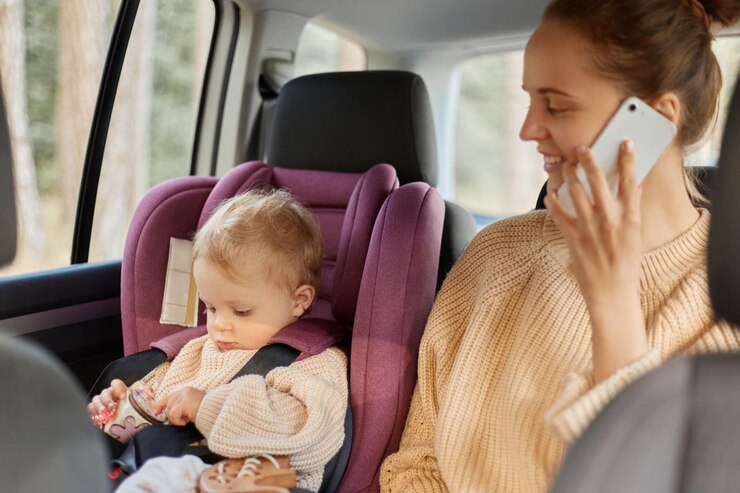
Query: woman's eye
[
  {"x": 556, "y": 111},
  {"x": 242, "y": 313}
]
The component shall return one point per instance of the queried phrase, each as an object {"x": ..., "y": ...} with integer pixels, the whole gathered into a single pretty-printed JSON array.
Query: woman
[{"x": 547, "y": 316}]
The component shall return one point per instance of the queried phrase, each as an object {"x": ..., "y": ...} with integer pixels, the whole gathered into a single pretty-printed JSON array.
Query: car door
[{"x": 83, "y": 159}]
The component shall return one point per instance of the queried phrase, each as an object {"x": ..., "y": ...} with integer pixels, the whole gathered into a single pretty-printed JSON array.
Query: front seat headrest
[
  {"x": 724, "y": 245},
  {"x": 350, "y": 121}
]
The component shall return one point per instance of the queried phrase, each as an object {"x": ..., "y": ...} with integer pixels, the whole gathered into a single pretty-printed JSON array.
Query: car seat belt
[
  {"x": 136, "y": 366},
  {"x": 263, "y": 121},
  {"x": 129, "y": 369},
  {"x": 307, "y": 337},
  {"x": 172, "y": 441}
]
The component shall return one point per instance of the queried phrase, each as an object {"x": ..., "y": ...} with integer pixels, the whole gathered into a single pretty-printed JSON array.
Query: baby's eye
[
  {"x": 209, "y": 309},
  {"x": 242, "y": 313}
]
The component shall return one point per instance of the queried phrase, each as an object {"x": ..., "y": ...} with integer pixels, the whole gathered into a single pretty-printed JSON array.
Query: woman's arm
[{"x": 605, "y": 245}]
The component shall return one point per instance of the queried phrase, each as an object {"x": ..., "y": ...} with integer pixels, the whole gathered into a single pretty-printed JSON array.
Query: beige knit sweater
[
  {"x": 505, "y": 378},
  {"x": 296, "y": 410}
]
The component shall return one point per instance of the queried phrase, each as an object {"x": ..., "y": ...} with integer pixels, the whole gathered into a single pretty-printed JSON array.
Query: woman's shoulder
[
  {"x": 531, "y": 222},
  {"x": 499, "y": 251},
  {"x": 513, "y": 234}
]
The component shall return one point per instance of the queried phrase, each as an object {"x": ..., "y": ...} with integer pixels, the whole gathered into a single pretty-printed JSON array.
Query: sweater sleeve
[
  {"x": 296, "y": 410},
  {"x": 580, "y": 400},
  {"x": 414, "y": 467}
]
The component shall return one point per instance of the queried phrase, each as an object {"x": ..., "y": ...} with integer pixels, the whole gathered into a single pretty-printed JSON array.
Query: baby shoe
[{"x": 258, "y": 474}]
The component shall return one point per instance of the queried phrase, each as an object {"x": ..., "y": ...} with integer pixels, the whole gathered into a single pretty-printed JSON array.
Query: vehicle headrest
[
  {"x": 350, "y": 121},
  {"x": 724, "y": 244}
]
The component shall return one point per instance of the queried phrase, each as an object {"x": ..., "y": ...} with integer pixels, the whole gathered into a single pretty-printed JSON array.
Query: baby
[{"x": 256, "y": 264}]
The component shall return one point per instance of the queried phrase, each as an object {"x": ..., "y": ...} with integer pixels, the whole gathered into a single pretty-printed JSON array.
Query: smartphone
[{"x": 634, "y": 120}]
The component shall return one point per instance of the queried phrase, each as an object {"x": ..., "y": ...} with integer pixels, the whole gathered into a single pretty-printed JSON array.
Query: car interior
[
  {"x": 381, "y": 240},
  {"x": 373, "y": 150}
]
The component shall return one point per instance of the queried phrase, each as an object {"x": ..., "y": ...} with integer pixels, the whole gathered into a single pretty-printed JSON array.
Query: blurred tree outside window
[
  {"x": 152, "y": 129},
  {"x": 322, "y": 50},
  {"x": 496, "y": 174},
  {"x": 51, "y": 60},
  {"x": 34, "y": 64}
]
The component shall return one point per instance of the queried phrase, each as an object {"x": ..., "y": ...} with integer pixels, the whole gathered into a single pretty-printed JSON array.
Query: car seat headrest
[
  {"x": 350, "y": 121},
  {"x": 345, "y": 236},
  {"x": 724, "y": 247}
]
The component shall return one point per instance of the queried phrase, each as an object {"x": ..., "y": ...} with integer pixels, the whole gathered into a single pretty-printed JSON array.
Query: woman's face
[{"x": 569, "y": 102}]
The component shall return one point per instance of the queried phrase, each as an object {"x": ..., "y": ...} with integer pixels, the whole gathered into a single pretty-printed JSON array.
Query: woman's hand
[
  {"x": 181, "y": 405},
  {"x": 108, "y": 399},
  {"x": 605, "y": 246}
]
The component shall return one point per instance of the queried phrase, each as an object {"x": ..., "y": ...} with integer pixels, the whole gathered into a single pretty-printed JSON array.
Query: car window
[
  {"x": 51, "y": 64},
  {"x": 51, "y": 59},
  {"x": 706, "y": 152},
  {"x": 152, "y": 127},
  {"x": 323, "y": 50},
  {"x": 498, "y": 175}
]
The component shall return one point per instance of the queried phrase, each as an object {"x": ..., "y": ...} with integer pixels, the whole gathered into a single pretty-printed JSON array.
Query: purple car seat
[
  {"x": 382, "y": 249},
  {"x": 349, "y": 121}
]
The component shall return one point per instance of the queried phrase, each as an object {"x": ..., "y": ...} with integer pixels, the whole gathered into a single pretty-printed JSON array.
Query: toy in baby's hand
[{"x": 131, "y": 414}]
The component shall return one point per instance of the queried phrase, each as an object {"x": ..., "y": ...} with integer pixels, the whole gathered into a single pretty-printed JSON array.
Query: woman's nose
[{"x": 532, "y": 127}]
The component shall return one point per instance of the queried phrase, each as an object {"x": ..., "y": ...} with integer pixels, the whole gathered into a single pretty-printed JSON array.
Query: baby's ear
[{"x": 302, "y": 298}]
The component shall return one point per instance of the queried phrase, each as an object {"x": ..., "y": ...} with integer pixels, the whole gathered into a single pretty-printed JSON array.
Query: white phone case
[{"x": 634, "y": 120}]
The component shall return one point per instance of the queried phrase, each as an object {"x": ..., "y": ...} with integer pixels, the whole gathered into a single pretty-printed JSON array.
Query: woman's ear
[
  {"x": 668, "y": 105},
  {"x": 302, "y": 298}
]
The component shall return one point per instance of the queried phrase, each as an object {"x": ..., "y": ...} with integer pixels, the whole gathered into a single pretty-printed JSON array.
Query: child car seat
[
  {"x": 340, "y": 124},
  {"x": 349, "y": 121},
  {"x": 381, "y": 253}
]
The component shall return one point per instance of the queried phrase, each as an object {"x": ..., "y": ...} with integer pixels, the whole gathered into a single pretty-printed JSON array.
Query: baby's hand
[
  {"x": 181, "y": 406},
  {"x": 108, "y": 399}
]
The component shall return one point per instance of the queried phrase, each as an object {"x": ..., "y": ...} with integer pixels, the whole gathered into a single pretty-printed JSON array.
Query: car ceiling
[{"x": 411, "y": 25}]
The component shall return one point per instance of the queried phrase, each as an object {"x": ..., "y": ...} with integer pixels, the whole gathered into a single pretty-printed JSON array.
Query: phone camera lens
[{"x": 633, "y": 107}]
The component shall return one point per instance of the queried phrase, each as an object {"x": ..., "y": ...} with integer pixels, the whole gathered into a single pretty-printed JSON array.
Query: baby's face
[{"x": 247, "y": 314}]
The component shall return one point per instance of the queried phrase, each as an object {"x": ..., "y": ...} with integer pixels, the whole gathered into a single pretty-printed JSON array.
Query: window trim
[{"x": 99, "y": 130}]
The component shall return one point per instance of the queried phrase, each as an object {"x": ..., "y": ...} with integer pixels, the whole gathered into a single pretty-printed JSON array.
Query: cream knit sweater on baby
[
  {"x": 505, "y": 377},
  {"x": 296, "y": 410}
]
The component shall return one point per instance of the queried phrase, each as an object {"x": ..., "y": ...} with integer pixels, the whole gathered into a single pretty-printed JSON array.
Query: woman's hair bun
[{"x": 725, "y": 12}]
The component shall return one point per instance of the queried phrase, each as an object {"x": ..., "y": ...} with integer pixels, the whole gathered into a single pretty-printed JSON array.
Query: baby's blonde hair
[{"x": 269, "y": 226}]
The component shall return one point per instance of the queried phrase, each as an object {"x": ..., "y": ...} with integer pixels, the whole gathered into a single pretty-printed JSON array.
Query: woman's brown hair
[{"x": 649, "y": 47}]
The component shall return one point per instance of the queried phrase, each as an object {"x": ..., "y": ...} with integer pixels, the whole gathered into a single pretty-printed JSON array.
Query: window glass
[
  {"x": 51, "y": 60},
  {"x": 51, "y": 57},
  {"x": 322, "y": 50},
  {"x": 153, "y": 123},
  {"x": 498, "y": 175},
  {"x": 706, "y": 152}
]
